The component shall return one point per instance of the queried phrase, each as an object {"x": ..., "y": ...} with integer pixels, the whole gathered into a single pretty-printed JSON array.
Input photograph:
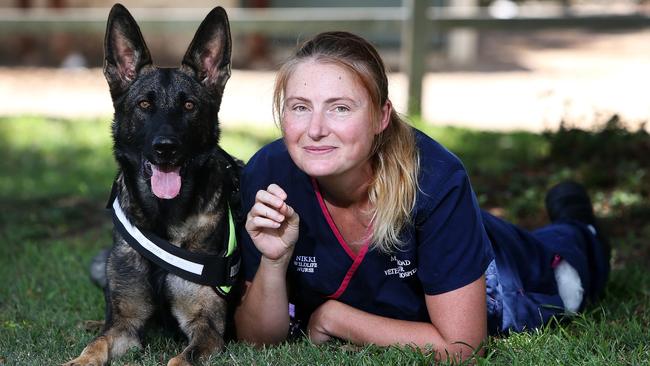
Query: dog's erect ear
[
  {"x": 125, "y": 53},
  {"x": 208, "y": 56}
]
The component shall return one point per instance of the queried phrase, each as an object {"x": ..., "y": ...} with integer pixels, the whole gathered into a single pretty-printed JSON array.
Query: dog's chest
[{"x": 196, "y": 230}]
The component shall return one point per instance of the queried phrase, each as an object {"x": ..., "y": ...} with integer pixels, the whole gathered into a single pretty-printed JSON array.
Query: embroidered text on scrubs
[
  {"x": 305, "y": 263},
  {"x": 400, "y": 270}
]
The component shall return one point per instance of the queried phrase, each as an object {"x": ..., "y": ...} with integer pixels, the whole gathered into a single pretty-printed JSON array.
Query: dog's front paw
[
  {"x": 178, "y": 361},
  {"x": 84, "y": 361},
  {"x": 95, "y": 354}
]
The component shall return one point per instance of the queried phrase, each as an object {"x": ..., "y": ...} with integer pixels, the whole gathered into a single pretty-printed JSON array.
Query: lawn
[{"x": 56, "y": 175}]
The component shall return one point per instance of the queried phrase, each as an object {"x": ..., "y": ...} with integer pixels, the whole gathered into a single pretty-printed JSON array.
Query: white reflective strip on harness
[{"x": 175, "y": 261}]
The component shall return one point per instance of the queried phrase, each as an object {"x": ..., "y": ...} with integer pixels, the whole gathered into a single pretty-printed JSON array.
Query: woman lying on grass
[{"x": 369, "y": 231}]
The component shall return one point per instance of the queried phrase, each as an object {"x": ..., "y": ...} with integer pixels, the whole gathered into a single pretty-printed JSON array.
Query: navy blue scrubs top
[{"x": 449, "y": 244}]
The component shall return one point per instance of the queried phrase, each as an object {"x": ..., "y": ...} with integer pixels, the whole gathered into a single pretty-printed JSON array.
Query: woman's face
[{"x": 326, "y": 120}]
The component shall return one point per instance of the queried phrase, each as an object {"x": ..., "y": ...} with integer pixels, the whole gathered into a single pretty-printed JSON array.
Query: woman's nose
[{"x": 317, "y": 126}]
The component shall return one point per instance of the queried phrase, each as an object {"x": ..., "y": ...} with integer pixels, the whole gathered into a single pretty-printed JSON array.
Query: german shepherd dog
[{"x": 173, "y": 180}]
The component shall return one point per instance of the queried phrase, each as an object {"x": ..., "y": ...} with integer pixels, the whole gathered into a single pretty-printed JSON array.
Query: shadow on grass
[
  {"x": 54, "y": 158},
  {"x": 57, "y": 175}
]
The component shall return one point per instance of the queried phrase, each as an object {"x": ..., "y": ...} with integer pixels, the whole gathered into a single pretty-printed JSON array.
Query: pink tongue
[{"x": 165, "y": 184}]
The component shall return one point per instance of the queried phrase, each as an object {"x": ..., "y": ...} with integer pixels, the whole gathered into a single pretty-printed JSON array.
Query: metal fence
[{"x": 414, "y": 21}]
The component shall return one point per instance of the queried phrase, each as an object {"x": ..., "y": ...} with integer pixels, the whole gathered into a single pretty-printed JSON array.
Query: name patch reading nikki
[{"x": 305, "y": 263}]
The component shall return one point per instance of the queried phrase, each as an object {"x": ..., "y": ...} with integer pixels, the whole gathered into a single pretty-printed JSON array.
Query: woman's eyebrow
[
  {"x": 327, "y": 101},
  {"x": 300, "y": 99},
  {"x": 342, "y": 99}
]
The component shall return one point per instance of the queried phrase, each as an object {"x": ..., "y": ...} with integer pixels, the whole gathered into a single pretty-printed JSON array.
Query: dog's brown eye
[
  {"x": 188, "y": 105},
  {"x": 144, "y": 104}
]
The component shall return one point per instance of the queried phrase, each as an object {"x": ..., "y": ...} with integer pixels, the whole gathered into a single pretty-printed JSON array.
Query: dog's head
[{"x": 165, "y": 117}]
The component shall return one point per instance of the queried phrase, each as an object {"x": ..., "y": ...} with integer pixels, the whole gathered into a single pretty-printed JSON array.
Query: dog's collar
[{"x": 218, "y": 271}]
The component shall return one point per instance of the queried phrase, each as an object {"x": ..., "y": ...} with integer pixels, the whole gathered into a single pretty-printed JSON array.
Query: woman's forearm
[
  {"x": 359, "y": 327},
  {"x": 263, "y": 315}
]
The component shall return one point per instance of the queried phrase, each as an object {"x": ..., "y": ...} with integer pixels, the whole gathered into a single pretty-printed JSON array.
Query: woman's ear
[{"x": 386, "y": 112}]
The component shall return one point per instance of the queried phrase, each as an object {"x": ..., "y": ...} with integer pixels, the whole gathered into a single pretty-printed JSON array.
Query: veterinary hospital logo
[
  {"x": 400, "y": 269},
  {"x": 305, "y": 263}
]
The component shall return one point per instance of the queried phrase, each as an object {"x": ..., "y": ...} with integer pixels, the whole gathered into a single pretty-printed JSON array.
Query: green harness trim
[{"x": 232, "y": 245}]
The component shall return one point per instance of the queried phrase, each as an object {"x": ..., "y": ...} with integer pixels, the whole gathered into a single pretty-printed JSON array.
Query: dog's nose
[{"x": 165, "y": 147}]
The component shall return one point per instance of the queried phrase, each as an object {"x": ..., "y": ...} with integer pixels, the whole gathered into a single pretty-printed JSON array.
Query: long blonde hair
[{"x": 394, "y": 157}]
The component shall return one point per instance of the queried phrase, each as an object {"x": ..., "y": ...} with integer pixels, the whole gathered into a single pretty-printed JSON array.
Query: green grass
[{"x": 56, "y": 175}]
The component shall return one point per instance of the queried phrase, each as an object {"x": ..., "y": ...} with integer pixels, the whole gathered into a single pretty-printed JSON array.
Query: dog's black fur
[{"x": 166, "y": 121}]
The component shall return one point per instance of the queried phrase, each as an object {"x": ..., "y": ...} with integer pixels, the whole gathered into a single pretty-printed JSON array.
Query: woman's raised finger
[
  {"x": 259, "y": 209},
  {"x": 269, "y": 199},
  {"x": 277, "y": 191},
  {"x": 255, "y": 223}
]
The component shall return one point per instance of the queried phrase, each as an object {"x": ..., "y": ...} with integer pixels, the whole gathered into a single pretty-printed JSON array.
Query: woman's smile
[{"x": 319, "y": 150}]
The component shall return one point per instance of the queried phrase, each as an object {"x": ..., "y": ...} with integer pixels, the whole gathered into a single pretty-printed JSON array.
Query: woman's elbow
[
  {"x": 259, "y": 335},
  {"x": 260, "y": 338},
  {"x": 462, "y": 351}
]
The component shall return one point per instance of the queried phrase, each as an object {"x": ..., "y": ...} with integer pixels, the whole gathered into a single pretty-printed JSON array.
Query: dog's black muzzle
[{"x": 166, "y": 149}]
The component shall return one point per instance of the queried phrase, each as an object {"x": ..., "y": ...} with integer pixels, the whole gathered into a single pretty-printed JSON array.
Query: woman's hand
[
  {"x": 272, "y": 224},
  {"x": 262, "y": 318}
]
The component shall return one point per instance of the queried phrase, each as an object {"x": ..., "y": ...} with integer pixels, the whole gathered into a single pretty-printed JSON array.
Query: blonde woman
[{"x": 362, "y": 228}]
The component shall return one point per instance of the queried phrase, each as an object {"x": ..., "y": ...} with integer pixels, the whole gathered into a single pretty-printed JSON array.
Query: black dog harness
[{"x": 218, "y": 271}]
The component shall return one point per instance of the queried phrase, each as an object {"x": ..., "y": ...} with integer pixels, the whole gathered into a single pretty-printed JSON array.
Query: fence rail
[
  {"x": 281, "y": 21},
  {"x": 414, "y": 21}
]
